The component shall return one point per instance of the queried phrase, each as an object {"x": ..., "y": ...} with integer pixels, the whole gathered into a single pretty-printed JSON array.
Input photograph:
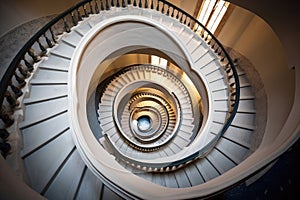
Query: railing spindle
[
  {"x": 16, "y": 90},
  {"x": 32, "y": 55},
  {"x": 20, "y": 80},
  {"x": 5, "y": 148},
  {"x": 24, "y": 73},
  {"x": 96, "y": 7},
  {"x": 8, "y": 121},
  {"x": 28, "y": 65},
  {"x": 106, "y": 4},
  {"x": 42, "y": 48},
  {"x": 10, "y": 99},
  {"x": 91, "y": 8},
  {"x": 4, "y": 134},
  {"x": 73, "y": 19}
]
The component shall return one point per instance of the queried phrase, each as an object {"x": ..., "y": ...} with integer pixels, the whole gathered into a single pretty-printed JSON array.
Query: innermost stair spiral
[{"x": 145, "y": 108}]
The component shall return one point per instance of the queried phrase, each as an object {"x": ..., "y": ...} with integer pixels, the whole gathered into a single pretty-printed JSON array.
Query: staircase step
[
  {"x": 247, "y": 106},
  {"x": 36, "y": 136},
  {"x": 246, "y": 93},
  {"x": 63, "y": 50},
  {"x": 214, "y": 75},
  {"x": 244, "y": 82},
  {"x": 221, "y": 106},
  {"x": 170, "y": 180},
  {"x": 66, "y": 182},
  {"x": 244, "y": 120},
  {"x": 193, "y": 174},
  {"x": 38, "y": 112},
  {"x": 206, "y": 169},
  {"x": 108, "y": 194},
  {"x": 202, "y": 60},
  {"x": 83, "y": 28},
  {"x": 55, "y": 63},
  {"x": 44, "y": 92},
  {"x": 240, "y": 136},
  {"x": 186, "y": 36},
  {"x": 219, "y": 161},
  {"x": 193, "y": 44},
  {"x": 210, "y": 67},
  {"x": 182, "y": 178},
  {"x": 44, "y": 77},
  {"x": 72, "y": 38},
  {"x": 90, "y": 187},
  {"x": 220, "y": 95},
  {"x": 234, "y": 151},
  {"x": 43, "y": 164}
]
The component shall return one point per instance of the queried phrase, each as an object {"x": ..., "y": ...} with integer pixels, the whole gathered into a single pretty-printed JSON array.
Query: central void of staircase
[{"x": 157, "y": 131}]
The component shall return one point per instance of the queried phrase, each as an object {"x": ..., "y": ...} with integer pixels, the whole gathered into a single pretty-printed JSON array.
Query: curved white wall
[{"x": 255, "y": 39}]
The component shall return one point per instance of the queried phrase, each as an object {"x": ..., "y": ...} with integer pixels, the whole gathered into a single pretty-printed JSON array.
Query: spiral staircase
[{"x": 97, "y": 123}]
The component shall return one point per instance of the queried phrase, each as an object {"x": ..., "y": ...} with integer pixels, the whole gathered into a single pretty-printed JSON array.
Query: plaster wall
[
  {"x": 253, "y": 37},
  {"x": 17, "y": 12}
]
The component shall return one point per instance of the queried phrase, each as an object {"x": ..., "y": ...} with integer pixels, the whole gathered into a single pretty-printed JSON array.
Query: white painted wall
[{"x": 253, "y": 37}]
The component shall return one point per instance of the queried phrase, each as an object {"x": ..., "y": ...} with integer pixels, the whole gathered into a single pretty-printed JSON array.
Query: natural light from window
[
  {"x": 212, "y": 12},
  {"x": 155, "y": 60}
]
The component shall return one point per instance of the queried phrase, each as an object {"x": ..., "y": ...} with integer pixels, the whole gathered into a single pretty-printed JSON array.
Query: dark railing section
[{"x": 24, "y": 62}]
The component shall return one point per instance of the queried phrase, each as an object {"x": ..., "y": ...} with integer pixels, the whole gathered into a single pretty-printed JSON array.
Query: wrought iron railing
[{"x": 23, "y": 64}]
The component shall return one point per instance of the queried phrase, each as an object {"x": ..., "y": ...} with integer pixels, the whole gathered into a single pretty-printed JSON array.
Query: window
[
  {"x": 212, "y": 12},
  {"x": 155, "y": 60}
]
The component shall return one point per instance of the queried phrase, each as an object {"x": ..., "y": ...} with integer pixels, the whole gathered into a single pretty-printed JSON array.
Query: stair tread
[
  {"x": 109, "y": 194},
  {"x": 50, "y": 77},
  {"x": 207, "y": 170},
  {"x": 42, "y": 165},
  {"x": 170, "y": 180},
  {"x": 44, "y": 92},
  {"x": 193, "y": 175},
  {"x": 40, "y": 111},
  {"x": 220, "y": 162},
  {"x": 66, "y": 182},
  {"x": 247, "y": 106},
  {"x": 90, "y": 187},
  {"x": 72, "y": 38},
  {"x": 64, "y": 50},
  {"x": 234, "y": 151},
  {"x": 246, "y": 120},
  {"x": 55, "y": 62},
  {"x": 240, "y": 136},
  {"x": 82, "y": 28},
  {"x": 36, "y": 136},
  {"x": 186, "y": 36}
]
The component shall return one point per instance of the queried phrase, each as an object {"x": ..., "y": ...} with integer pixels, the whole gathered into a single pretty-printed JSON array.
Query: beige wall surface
[
  {"x": 17, "y": 12},
  {"x": 253, "y": 37}
]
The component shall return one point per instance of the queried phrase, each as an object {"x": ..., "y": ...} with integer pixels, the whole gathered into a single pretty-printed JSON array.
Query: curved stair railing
[{"x": 23, "y": 64}]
